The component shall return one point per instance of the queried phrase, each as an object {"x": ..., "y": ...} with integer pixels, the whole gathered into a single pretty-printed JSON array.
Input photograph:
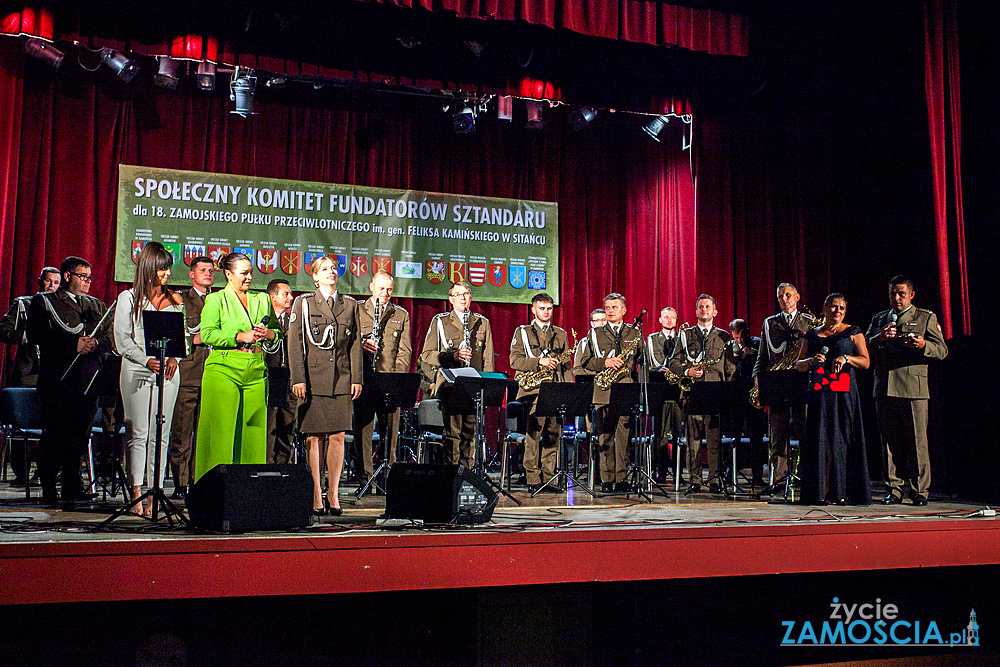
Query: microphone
[
  {"x": 813, "y": 364},
  {"x": 263, "y": 323}
]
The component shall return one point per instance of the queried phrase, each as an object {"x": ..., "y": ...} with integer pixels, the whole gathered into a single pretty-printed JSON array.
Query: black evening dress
[{"x": 834, "y": 461}]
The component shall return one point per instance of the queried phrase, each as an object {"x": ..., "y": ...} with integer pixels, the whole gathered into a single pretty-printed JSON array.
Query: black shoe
[
  {"x": 81, "y": 497},
  {"x": 551, "y": 488},
  {"x": 714, "y": 488},
  {"x": 694, "y": 488},
  {"x": 920, "y": 501},
  {"x": 319, "y": 512},
  {"x": 534, "y": 488},
  {"x": 623, "y": 487},
  {"x": 335, "y": 511},
  {"x": 179, "y": 492},
  {"x": 17, "y": 481},
  {"x": 607, "y": 487},
  {"x": 891, "y": 499}
]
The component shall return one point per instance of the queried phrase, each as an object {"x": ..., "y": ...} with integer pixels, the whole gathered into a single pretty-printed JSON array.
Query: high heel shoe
[
  {"x": 330, "y": 509},
  {"x": 319, "y": 512}
]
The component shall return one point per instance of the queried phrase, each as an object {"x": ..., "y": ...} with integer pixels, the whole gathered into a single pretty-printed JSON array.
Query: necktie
[
  {"x": 788, "y": 319},
  {"x": 330, "y": 302}
]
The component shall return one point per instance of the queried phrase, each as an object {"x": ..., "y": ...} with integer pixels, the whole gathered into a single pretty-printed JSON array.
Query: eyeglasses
[
  {"x": 82, "y": 276},
  {"x": 460, "y": 295}
]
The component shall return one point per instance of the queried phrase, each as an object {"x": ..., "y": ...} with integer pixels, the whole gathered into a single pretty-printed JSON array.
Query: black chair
[
  {"x": 430, "y": 427},
  {"x": 21, "y": 416},
  {"x": 516, "y": 425}
]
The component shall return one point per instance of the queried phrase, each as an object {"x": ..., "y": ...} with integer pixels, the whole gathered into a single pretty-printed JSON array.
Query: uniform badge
[{"x": 292, "y": 318}]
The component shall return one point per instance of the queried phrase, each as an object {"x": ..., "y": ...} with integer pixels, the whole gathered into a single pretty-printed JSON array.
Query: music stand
[
  {"x": 388, "y": 391},
  {"x": 163, "y": 332},
  {"x": 562, "y": 399},
  {"x": 106, "y": 387},
  {"x": 709, "y": 399},
  {"x": 780, "y": 389},
  {"x": 671, "y": 392},
  {"x": 627, "y": 399},
  {"x": 483, "y": 389}
]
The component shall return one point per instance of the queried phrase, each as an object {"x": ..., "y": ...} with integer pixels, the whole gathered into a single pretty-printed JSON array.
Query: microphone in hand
[{"x": 814, "y": 363}]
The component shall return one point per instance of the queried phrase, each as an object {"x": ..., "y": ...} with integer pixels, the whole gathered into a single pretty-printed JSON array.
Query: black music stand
[
  {"x": 483, "y": 389},
  {"x": 106, "y": 387},
  {"x": 671, "y": 392},
  {"x": 387, "y": 391},
  {"x": 780, "y": 389},
  {"x": 710, "y": 399},
  {"x": 627, "y": 399},
  {"x": 562, "y": 399},
  {"x": 164, "y": 335}
]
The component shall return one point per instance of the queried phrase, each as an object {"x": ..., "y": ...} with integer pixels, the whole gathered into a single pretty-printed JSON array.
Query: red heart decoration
[
  {"x": 826, "y": 381},
  {"x": 820, "y": 370},
  {"x": 817, "y": 386},
  {"x": 841, "y": 383}
]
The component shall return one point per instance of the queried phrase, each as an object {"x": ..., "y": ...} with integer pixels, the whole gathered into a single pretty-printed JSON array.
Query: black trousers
[{"x": 66, "y": 422}]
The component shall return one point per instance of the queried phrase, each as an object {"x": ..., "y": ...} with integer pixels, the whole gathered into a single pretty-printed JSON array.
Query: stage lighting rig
[
  {"x": 464, "y": 120},
  {"x": 204, "y": 76},
  {"x": 582, "y": 117},
  {"x": 169, "y": 73},
  {"x": 655, "y": 126},
  {"x": 535, "y": 119}
]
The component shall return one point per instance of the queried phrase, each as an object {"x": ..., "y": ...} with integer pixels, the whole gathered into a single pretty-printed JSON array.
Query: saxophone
[
  {"x": 531, "y": 380},
  {"x": 787, "y": 361},
  {"x": 609, "y": 376}
]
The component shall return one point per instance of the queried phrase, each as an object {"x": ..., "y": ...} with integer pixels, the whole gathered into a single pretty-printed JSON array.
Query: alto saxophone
[
  {"x": 787, "y": 361},
  {"x": 609, "y": 376},
  {"x": 531, "y": 380}
]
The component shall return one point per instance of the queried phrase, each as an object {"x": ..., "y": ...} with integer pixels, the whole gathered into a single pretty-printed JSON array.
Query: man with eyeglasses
[
  {"x": 458, "y": 338},
  {"x": 64, "y": 326}
]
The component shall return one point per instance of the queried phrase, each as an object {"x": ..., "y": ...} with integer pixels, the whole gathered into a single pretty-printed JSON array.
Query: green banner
[{"x": 508, "y": 249}]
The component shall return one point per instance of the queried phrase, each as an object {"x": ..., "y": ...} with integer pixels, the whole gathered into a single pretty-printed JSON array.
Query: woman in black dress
[{"x": 834, "y": 465}]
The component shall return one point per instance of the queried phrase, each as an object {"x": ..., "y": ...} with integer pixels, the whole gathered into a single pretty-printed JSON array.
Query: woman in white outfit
[{"x": 138, "y": 378}]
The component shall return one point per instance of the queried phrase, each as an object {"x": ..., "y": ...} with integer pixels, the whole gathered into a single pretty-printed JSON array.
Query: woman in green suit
[{"x": 238, "y": 324}]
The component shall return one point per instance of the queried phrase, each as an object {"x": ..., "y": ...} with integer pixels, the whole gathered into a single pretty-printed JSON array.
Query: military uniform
[
  {"x": 603, "y": 342},
  {"x": 659, "y": 349},
  {"x": 324, "y": 353},
  {"x": 56, "y": 321},
  {"x": 394, "y": 355},
  {"x": 282, "y": 404},
  {"x": 901, "y": 395},
  {"x": 694, "y": 346},
  {"x": 530, "y": 343},
  {"x": 776, "y": 340},
  {"x": 184, "y": 425},
  {"x": 12, "y": 331},
  {"x": 444, "y": 335}
]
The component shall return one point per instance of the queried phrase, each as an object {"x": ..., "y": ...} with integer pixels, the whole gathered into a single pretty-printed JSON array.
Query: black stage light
[
  {"x": 44, "y": 51},
  {"x": 655, "y": 126},
  {"x": 464, "y": 120},
  {"x": 535, "y": 119},
  {"x": 204, "y": 76},
  {"x": 582, "y": 117},
  {"x": 120, "y": 64},
  {"x": 169, "y": 73}
]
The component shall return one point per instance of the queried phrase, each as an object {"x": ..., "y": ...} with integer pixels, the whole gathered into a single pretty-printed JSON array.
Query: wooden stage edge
[{"x": 370, "y": 561}]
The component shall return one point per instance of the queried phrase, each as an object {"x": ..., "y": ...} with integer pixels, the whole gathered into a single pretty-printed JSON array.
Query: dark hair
[
  {"x": 228, "y": 263},
  {"x": 72, "y": 263},
  {"x": 833, "y": 297},
  {"x": 615, "y": 296},
  {"x": 459, "y": 283},
  {"x": 47, "y": 269},
  {"x": 596, "y": 311},
  {"x": 153, "y": 258},
  {"x": 706, "y": 296},
  {"x": 201, "y": 259},
  {"x": 739, "y": 324},
  {"x": 272, "y": 287},
  {"x": 902, "y": 280},
  {"x": 543, "y": 297}
]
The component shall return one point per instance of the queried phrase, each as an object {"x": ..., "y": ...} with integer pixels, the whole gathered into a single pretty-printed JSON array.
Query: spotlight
[
  {"x": 122, "y": 66},
  {"x": 204, "y": 76},
  {"x": 535, "y": 120},
  {"x": 655, "y": 126},
  {"x": 582, "y": 117},
  {"x": 464, "y": 120},
  {"x": 169, "y": 73},
  {"x": 241, "y": 90},
  {"x": 505, "y": 107},
  {"x": 42, "y": 50}
]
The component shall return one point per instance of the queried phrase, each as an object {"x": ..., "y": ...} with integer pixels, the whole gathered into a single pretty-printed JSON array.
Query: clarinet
[
  {"x": 376, "y": 334},
  {"x": 466, "y": 335}
]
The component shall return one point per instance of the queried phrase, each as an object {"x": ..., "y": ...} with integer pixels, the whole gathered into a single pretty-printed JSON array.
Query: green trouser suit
[{"x": 232, "y": 422}]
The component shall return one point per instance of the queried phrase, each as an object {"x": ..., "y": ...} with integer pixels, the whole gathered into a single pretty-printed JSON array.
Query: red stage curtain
[
  {"x": 944, "y": 110},
  {"x": 626, "y": 202}
]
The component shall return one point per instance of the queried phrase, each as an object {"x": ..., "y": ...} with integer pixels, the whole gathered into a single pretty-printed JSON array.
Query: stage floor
[{"x": 51, "y": 555}]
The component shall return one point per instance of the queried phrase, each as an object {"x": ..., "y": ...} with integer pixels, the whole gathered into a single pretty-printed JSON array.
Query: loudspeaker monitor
[
  {"x": 237, "y": 498},
  {"x": 435, "y": 493}
]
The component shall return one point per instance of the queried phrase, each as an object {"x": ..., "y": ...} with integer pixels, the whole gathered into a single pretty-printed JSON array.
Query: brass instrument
[
  {"x": 787, "y": 361},
  {"x": 530, "y": 381},
  {"x": 685, "y": 382},
  {"x": 609, "y": 376}
]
